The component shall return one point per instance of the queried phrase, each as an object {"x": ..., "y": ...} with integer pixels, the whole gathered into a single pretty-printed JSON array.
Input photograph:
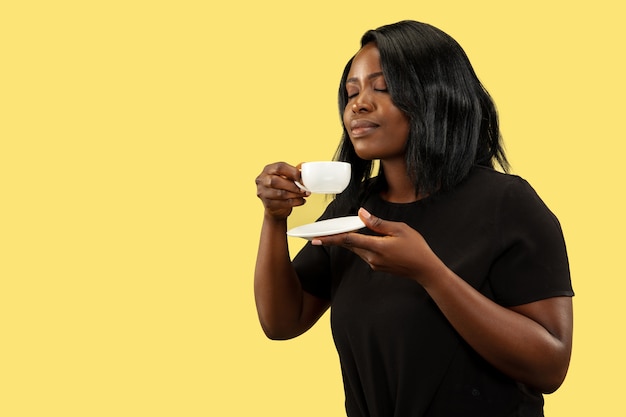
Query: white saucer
[{"x": 327, "y": 227}]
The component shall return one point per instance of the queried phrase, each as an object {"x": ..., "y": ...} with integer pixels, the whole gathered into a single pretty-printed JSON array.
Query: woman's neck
[{"x": 400, "y": 188}]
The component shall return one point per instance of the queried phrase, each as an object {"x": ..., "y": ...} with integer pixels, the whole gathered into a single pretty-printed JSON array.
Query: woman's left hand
[
  {"x": 401, "y": 250},
  {"x": 531, "y": 342}
]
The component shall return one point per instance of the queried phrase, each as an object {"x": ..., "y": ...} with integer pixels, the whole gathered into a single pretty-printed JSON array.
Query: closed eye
[{"x": 352, "y": 92}]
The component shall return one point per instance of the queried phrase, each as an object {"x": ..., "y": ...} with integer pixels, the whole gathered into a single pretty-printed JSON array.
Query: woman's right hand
[{"x": 277, "y": 190}]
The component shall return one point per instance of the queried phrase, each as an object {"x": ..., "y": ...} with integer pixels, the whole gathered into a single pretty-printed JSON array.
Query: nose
[{"x": 362, "y": 104}]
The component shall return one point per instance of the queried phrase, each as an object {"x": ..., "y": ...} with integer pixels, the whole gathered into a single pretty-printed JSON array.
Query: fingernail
[
  {"x": 365, "y": 213},
  {"x": 316, "y": 242}
]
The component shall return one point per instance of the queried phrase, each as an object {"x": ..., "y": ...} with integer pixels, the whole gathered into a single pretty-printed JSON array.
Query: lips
[{"x": 360, "y": 127}]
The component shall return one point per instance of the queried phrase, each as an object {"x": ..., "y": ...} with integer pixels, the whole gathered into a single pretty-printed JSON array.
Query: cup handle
[{"x": 302, "y": 187}]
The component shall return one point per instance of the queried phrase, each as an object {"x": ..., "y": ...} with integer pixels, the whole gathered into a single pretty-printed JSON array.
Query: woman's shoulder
[
  {"x": 493, "y": 177},
  {"x": 512, "y": 196},
  {"x": 485, "y": 180},
  {"x": 488, "y": 190}
]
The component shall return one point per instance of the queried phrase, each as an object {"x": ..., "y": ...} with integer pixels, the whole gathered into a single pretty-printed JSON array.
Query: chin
[
  {"x": 366, "y": 156},
  {"x": 364, "y": 153}
]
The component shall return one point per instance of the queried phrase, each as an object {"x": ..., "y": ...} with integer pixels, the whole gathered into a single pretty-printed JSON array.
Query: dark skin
[
  {"x": 531, "y": 343},
  {"x": 285, "y": 311}
]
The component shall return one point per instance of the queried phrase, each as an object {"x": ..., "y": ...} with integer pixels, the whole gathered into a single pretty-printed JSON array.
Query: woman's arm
[
  {"x": 285, "y": 310},
  {"x": 531, "y": 343}
]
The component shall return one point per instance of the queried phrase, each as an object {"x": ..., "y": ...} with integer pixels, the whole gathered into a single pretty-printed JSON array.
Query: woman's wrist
[
  {"x": 432, "y": 272},
  {"x": 274, "y": 220}
]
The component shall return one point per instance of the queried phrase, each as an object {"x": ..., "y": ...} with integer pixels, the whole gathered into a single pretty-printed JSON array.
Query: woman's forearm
[
  {"x": 530, "y": 343},
  {"x": 284, "y": 310}
]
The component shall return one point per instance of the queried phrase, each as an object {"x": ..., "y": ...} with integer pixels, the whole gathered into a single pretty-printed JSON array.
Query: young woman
[{"x": 456, "y": 299}]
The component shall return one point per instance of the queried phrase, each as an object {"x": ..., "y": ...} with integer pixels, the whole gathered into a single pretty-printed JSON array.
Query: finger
[
  {"x": 284, "y": 170},
  {"x": 280, "y": 194},
  {"x": 364, "y": 246},
  {"x": 282, "y": 184},
  {"x": 284, "y": 204},
  {"x": 351, "y": 240},
  {"x": 277, "y": 197},
  {"x": 378, "y": 225},
  {"x": 298, "y": 181}
]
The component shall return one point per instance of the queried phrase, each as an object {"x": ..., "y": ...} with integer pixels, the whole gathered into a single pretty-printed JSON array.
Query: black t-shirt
[{"x": 399, "y": 355}]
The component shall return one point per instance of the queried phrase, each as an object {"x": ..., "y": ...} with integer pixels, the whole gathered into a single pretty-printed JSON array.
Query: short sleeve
[
  {"x": 532, "y": 263},
  {"x": 312, "y": 264}
]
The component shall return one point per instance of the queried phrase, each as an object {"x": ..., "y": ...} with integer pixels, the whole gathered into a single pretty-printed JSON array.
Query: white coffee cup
[{"x": 325, "y": 177}]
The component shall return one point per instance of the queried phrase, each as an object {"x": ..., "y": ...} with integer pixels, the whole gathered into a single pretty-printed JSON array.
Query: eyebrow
[{"x": 369, "y": 77}]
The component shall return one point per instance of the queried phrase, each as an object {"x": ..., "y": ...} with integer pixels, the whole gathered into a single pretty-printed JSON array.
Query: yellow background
[{"x": 131, "y": 134}]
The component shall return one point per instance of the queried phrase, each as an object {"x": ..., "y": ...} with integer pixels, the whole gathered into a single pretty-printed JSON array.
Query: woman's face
[{"x": 377, "y": 128}]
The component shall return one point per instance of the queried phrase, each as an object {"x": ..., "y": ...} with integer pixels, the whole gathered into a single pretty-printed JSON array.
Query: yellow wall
[{"x": 131, "y": 133}]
